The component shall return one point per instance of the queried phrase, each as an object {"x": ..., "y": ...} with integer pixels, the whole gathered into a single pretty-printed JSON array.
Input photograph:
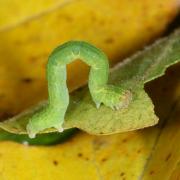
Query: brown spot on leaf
[
  {"x": 124, "y": 140},
  {"x": 122, "y": 174},
  {"x": 66, "y": 17},
  {"x": 79, "y": 154},
  {"x": 27, "y": 80},
  {"x": 87, "y": 159},
  {"x": 168, "y": 157},
  {"x": 103, "y": 159},
  {"x": 151, "y": 172},
  {"x": 109, "y": 40},
  {"x": 33, "y": 58},
  {"x": 55, "y": 162}
]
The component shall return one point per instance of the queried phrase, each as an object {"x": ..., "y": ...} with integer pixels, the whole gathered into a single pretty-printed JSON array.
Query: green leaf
[
  {"x": 41, "y": 139},
  {"x": 131, "y": 74}
]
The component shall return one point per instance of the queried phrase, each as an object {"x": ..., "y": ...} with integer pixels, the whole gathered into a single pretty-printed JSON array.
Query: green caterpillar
[{"x": 109, "y": 95}]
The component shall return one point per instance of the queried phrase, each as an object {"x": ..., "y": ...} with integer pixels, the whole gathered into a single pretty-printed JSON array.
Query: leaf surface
[{"x": 111, "y": 156}]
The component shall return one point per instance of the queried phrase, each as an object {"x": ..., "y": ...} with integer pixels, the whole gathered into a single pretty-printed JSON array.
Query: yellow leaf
[
  {"x": 15, "y": 12},
  {"x": 83, "y": 157},
  {"x": 144, "y": 154},
  {"x": 118, "y": 28}
]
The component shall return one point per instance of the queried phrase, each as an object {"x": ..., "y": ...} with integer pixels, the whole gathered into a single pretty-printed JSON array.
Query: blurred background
[{"x": 30, "y": 30}]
